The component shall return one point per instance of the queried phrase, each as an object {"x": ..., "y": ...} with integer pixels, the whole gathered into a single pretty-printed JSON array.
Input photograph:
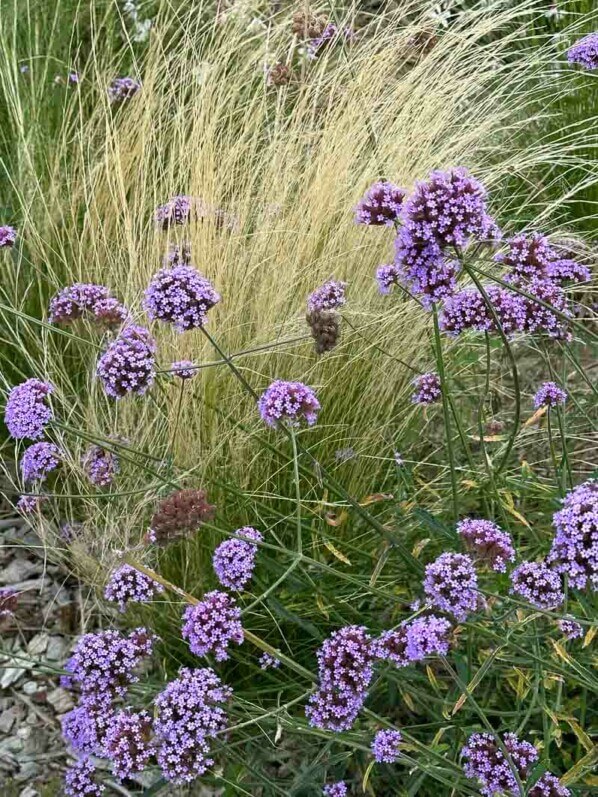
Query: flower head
[
  {"x": 451, "y": 584},
  {"x": 178, "y": 210},
  {"x": 70, "y": 530},
  {"x": 190, "y": 712},
  {"x": 109, "y": 312},
  {"x": 177, "y": 255},
  {"x": 28, "y": 504},
  {"x": 27, "y": 412},
  {"x": 338, "y": 789},
  {"x": 427, "y": 636},
  {"x": 570, "y": 628},
  {"x": 330, "y": 33},
  {"x": 39, "y": 460},
  {"x": 288, "y": 402},
  {"x": 325, "y": 329},
  {"x": 486, "y": 762},
  {"x": 212, "y": 624},
  {"x": 184, "y": 369},
  {"x": 345, "y": 671},
  {"x": 128, "y": 364},
  {"x": 8, "y": 236},
  {"x": 105, "y": 662},
  {"x": 585, "y": 52},
  {"x": 180, "y": 296},
  {"x": 548, "y": 786},
  {"x": 541, "y": 319},
  {"x": 122, "y": 89},
  {"x": 72, "y": 302},
  {"x": 9, "y": 600},
  {"x": 488, "y": 541},
  {"x": 574, "y": 548},
  {"x": 387, "y": 276},
  {"x": 381, "y": 204},
  {"x": 79, "y": 779},
  {"x": 268, "y": 662},
  {"x": 549, "y": 394},
  {"x": 538, "y": 584},
  {"x": 128, "y": 742},
  {"x": 127, "y": 584},
  {"x": 84, "y": 727},
  {"x": 180, "y": 515},
  {"x": 234, "y": 559},
  {"x": 428, "y": 389},
  {"x": 526, "y": 257},
  {"x": 329, "y": 296},
  {"x": 100, "y": 465},
  {"x": 385, "y": 746}
]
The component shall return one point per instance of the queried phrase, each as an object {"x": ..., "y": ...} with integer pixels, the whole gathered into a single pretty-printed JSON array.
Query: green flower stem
[
  {"x": 555, "y": 464},
  {"x": 446, "y": 411},
  {"x": 293, "y": 436}
]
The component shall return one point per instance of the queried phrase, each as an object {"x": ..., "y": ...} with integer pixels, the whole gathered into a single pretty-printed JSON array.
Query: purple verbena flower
[
  {"x": 110, "y": 312},
  {"x": 234, "y": 559},
  {"x": 184, "y": 369},
  {"x": 381, "y": 204},
  {"x": 425, "y": 271},
  {"x": 178, "y": 210},
  {"x": 39, "y": 460},
  {"x": 329, "y": 296},
  {"x": 105, "y": 662},
  {"x": 329, "y": 34},
  {"x": 189, "y": 713},
  {"x": 526, "y": 257},
  {"x": 128, "y": 742},
  {"x": 8, "y": 236},
  {"x": 70, "y": 531},
  {"x": 574, "y": 550},
  {"x": 427, "y": 389},
  {"x": 385, "y": 746},
  {"x": 27, "y": 412},
  {"x": 268, "y": 662},
  {"x": 538, "y": 584},
  {"x": 585, "y": 52},
  {"x": 79, "y": 780},
  {"x": 28, "y": 504},
  {"x": 212, "y": 624},
  {"x": 392, "y": 646},
  {"x": 128, "y": 364},
  {"x": 84, "y": 727},
  {"x": 288, "y": 402},
  {"x": 100, "y": 465},
  {"x": 548, "y": 786},
  {"x": 180, "y": 296},
  {"x": 128, "y": 584},
  {"x": 549, "y": 394},
  {"x": 338, "y": 789},
  {"x": 178, "y": 255},
  {"x": 451, "y": 584},
  {"x": 71, "y": 302},
  {"x": 488, "y": 542},
  {"x": 570, "y": 628},
  {"x": 122, "y": 89},
  {"x": 345, "y": 671},
  {"x": 427, "y": 636},
  {"x": 561, "y": 271},
  {"x": 387, "y": 276},
  {"x": 486, "y": 762},
  {"x": 539, "y": 318},
  {"x": 9, "y": 600}
]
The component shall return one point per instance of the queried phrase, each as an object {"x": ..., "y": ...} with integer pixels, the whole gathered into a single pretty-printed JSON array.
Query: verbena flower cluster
[
  {"x": 123, "y": 88},
  {"x": 86, "y": 299},
  {"x": 428, "y": 389},
  {"x": 180, "y": 296},
  {"x": 184, "y": 369},
  {"x": 100, "y": 465},
  {"x": 338, "y": 789},
  {"x": 538, "y": 584},
  {"x": 288, "y": 402},
  {"x": 487, "y": 541},
  {"x": 440, "y": 217},
  {"x": 329, "y": 296},
  {"x": 267, "y": 662},
  {"x": 451, "y": 584},
  {"x": 330, "y": 33},
  {"x": 386, "y": 276},
  {"x": 414, "y": 641},
  {"x": 190, "y": 712},
  {"x": 127, "y": 584},
  {"x": 84, "y": 728},
  {"x": 574, "y": 549},
  {"x": 39, "y": 460},
  {"x": 8, "y": 236},
  {"x": 381, "y": 204},
  {"x": 128, "y": 364},
  {"x": 28, "y": 504},
  {"x": 585, "y": 52},
  {"x": 549, "y": 394},
  {"x": 79, "y": 779},
  {"x": 385, "y": 746},
  {"x": 345, "y": 670},
  {"x": 486, "y": 763},
  {"x": 211, "y": 625},
  {"x": 178, "y": 210},
  {"x": 128, "y": 742},
  {"x": 106, "y": 661},
  {"x": 234, "y": 559},
  {"x": 9, "y": 600},
  {"x": 27, "y": 412},
  {"x": 548, "y": 786},
  {"x": 570, "y": 628}
]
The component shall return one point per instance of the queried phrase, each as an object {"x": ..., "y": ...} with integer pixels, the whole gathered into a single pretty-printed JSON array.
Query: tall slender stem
[{"x": 297, "y": 491}]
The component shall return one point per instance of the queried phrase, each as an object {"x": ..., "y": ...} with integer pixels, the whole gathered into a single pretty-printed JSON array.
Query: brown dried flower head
[
  {"x": 325, "y": 329},
  {"x": 280, "y": 74},
  {"x": 307, "y": 25},
  {"x": 179, "y": 515}
]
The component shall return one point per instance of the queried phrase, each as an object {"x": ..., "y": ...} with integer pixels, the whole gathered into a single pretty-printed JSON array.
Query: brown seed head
[
  {"x": 180, "y": 515},
  {"x": 325, "y": 329}
]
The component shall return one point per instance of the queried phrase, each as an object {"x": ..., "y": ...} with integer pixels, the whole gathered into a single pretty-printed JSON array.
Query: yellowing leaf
[
  {"x": 469, "y": 483},
  {"x": 560, "y": 651},
  {"x": 375, "y": 498},
  {"x": 321, "y": 607},
  {"x": 587, "y": 640},
  {"x": 408, "y": 700},
  {"x": 366, "y": 777},
  {"x": 583, "y": 765},
  {"x": 431, "y": 677},
  {"x": 490, "y": 438},
  {"x": 335, "y": 552},
  {"x": 535, "y": 417},
  {"x": 419, "y": 546},
  {"x": 335, "y": 520},
  {"x": 580, "y": 733}
]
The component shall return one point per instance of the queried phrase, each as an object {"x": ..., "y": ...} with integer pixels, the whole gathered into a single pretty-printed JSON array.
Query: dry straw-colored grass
[{"x": 290, "y": 164}]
